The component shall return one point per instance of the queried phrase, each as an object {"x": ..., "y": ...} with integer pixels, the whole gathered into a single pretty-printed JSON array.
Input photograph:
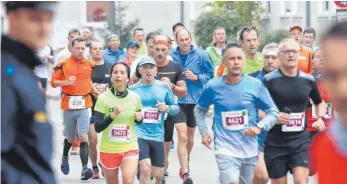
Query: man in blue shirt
[
  {"x": 236, "y": 124},
  {"x": 271, "y": 63},
  {"x": 158, "y": 102},
  {"x": 198, "y": 70},
  {"x": 113, "y": 52}
]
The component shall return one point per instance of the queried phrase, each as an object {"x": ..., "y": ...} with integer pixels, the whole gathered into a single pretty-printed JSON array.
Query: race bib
[
  {"x": 151, "y": 115},
  {"x": 120, "y": 133},
  {"x": 296, "y": 123},
  {"x": 328, "y": 111},
  {"x": 77, "y": 102},
  {"x": 235, "y": 120}
]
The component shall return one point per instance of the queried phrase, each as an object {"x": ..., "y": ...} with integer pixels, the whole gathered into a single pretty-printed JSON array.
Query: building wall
[{"x": 283, "y": 14}]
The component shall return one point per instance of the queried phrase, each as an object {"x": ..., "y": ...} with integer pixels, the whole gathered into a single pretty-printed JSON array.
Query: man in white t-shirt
[{"x": 41, "y": 71}]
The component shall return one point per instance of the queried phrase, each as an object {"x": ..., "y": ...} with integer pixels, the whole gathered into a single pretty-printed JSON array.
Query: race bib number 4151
[
  {"x": 235, "y": 120},
  {"x": 296, "y": 123}
]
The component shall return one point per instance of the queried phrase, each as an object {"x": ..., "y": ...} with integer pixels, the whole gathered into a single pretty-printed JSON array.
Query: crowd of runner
[
  {"x": 274, "y": 110},
  {"x": 268, "y": 105}
]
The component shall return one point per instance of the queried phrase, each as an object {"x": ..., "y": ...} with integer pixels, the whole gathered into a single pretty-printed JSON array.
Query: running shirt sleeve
[
  {"x": 201, "y": 109},
  {"x": 268, "y": 106},
  {"x": 170, "y": 101},
  {"x": 315, "y": 95},
  {"x": 206, "y": 97},
  {"x": 207, "y": 69},
  {"x": 101, "y": 122},
  {"x": 57, "y": 74}
]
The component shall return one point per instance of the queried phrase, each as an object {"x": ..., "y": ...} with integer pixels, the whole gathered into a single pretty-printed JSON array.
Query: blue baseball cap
[
  {"x": 133, "y": 44},
  {"x": 147, "y": 60}
]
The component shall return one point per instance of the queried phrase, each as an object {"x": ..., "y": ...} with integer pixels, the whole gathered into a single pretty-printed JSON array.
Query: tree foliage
[
  {"x": 274, "y": 36},
  {"x": 123, "y": 28},
  {"x": 229, "y": 14}
]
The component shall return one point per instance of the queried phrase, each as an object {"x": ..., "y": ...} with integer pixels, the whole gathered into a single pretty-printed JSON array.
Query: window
[
  {"x": 326, "y": 6},
  {"x": 289, "y": 8},
  {"x": 268, "y": 7}
]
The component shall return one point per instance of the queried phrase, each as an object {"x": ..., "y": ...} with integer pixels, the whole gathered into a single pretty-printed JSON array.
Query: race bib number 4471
[
  {"x": 235, "y": 120},
  {"x": 296, "y": 123}
]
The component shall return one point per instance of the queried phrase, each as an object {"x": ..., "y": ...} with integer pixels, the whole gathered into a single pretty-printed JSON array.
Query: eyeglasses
[{"x": 287, "y": 52}]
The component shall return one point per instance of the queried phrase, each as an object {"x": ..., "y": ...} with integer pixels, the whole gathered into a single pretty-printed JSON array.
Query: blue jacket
[
  {"x": 199, "y": 63},
  {"x": 112, "y": 57},
  {"x": 26, "y": 134}
]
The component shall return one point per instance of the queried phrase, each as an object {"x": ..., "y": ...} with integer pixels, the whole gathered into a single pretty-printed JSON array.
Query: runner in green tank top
[{"x": 116, "y": 112}]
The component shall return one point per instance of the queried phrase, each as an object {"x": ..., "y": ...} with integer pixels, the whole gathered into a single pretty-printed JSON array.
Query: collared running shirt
[
  {"x": 120, "y": 135},
  {"x": 250, "y": 65},
  {"x": 152, "y": 126},
  {"x": 82, "y": 70},
  {"x": 236, "y": 109}
]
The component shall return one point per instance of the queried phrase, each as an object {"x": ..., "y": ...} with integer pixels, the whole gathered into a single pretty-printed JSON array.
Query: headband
[
  {"x": 162, "y": 42},
  {"x": 269, "y": 53}
]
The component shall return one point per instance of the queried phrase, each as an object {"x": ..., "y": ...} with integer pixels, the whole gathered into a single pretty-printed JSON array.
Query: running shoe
[
  {"x": 96, "y": 174},
  {"x": 166, "y": 173},
  {"x": 86, "y": 173},
  {"x": 187, "y": 179},
  {"x": 65, "y": 168}
]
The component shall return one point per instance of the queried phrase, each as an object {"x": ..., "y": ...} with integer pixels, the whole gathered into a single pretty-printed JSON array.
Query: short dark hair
[
  {"x": 248, "y": 29},
  {"x": 229, "y": 46},
  {"x": 121, "y": 63},
  {"x": 77, "y": 39},
  {"x": 176, "y": 34},
  {"x": 138, "y": 29},
  {"x": 338, "y": 30},
  {"x": 152, "y": 35},
  {"x": 93, "y": 42},
  {"x": 74, "y": 30},
  {"x": 310, "y": 30},
  {"x": 176, "y": 25}
]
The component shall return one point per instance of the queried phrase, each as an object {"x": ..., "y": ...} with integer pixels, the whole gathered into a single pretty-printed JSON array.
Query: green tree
[
  {"x": 122, "y": 28},
  {"x": 209, "y": 21},
  {"x": 229, "y": 14},
  {"x": 273, "y": 36}
]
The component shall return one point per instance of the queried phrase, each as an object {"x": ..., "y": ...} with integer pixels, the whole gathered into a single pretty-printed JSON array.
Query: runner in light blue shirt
[
  {"x": 158, "y": 102},
  {"x": 236, "y": 98}
]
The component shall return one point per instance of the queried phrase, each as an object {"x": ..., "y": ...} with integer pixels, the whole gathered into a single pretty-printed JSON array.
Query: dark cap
[
  {"x": 133, "y": 44},
  {"x": 49, "y": 6}
]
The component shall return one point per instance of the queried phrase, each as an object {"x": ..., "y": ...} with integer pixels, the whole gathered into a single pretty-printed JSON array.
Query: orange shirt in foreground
[
  {"x": 328, "y": 162},
  {"x": 82, "y": 70},
  {"x": 305, "y": 60}
]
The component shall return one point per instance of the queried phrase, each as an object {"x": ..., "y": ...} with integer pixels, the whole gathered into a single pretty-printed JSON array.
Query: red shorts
[{"x": 113, "y": 160}]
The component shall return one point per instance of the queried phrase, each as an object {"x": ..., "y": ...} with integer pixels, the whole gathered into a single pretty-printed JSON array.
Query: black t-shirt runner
[
  {"x": 101, "y": 76},
  {"x": 292, "y": 93},
  {"x": 172, "y": 70}
]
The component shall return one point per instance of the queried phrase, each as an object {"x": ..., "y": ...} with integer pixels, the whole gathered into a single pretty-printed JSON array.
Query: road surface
[{"x": 202, "y": 162}]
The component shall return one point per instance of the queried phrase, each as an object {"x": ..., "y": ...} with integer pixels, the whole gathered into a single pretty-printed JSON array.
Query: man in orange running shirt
[
  {"x": 329, "y": 150},
  {"x": 305, "y": 59}
]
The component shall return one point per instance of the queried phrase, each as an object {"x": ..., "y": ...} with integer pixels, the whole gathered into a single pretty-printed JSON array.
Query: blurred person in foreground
[
  {"x": 26, "y": 135},
  {"x": 329, "y": 149}
]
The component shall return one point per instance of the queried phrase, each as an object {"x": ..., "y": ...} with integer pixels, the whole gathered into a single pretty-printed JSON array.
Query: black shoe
[{"x": 86, "y": 174}]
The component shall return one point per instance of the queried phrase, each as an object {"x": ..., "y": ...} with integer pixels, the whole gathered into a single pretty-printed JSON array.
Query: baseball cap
[
  {"x": 295, "y": 26},
  {"x": 133, "y": 44},
  {"x": 147, "y": 60},
  {"x": 49, "y": 6}
]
